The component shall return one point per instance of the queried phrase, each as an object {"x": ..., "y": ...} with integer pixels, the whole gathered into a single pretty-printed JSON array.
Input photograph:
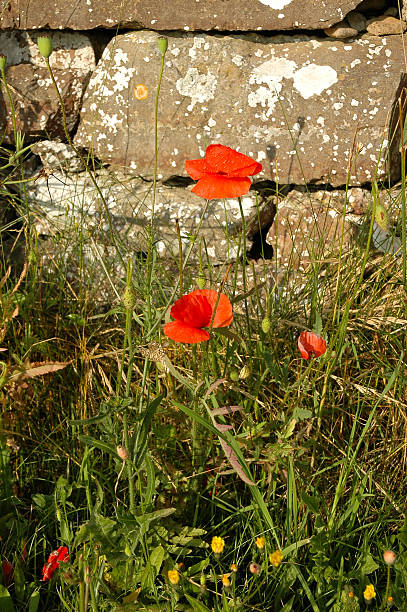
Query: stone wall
[{"x": 309, "y": 89}]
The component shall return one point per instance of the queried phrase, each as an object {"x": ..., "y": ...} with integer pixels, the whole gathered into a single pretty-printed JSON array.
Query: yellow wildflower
[
  {"x": 260, "y": 542},
  {"x": 233, "y": 567},
  {"x": 276, "y": 557},
  {"x": 217, "y": 545},
  {"x": 173, "y": 576},
  {"x": 225, "y": 581},
  {"x": 369, "y": 592}
]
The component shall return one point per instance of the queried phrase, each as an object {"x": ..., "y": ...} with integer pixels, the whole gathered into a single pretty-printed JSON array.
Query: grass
[{"x": 109, "y": 443}]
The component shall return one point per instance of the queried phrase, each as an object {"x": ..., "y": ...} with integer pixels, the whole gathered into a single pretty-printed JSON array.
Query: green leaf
[
  {"x": 369, "y": 565},
  {"x": 142, "y": 434},
  {"x": 302, "y": 413},
  {"x": 6, "y": 603},
  {"x": 311, "y": 502},
  {"x": 103, "y": 446},
  {"x": 288, "y": 606},
  {"x": 197, "y": 605},
  {"x": 34, "y": 601}
]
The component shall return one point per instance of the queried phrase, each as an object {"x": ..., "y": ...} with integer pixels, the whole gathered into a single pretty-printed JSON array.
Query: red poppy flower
[
  {"x": 8, "y": 572},
  {"x": 222, "y": 173},
  {"x": 311, "y": 345},
  {"x": 194, "y": 311},
  {"x": 55, "y": 558}
]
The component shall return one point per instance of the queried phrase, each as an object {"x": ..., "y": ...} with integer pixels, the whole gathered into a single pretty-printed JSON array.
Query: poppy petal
[
  {"x": 197, "y": 168},
  {"x": 178, "y": 331},
  {"x": 311, "y": 345},
  {"x": 224, "y": 312},
  {"x": 214, "y": 186},
  {"x": 193, "y": 310},
  {"x": 224, "y": 159}
]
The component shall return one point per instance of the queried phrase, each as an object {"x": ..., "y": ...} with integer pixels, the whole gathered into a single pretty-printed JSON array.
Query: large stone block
[
  {"x": 33, "y": 94},
  {"x": 306, "y": 108},
  {"x": 175, "y": 15}
]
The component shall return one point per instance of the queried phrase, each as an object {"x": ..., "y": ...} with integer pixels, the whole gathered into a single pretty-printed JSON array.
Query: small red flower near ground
[
  {"x": 55, "y": 558},
  {"x": 222, "y": 173},
  {"x": 311, "y": 345},
  {"x": 194, "y": 311},
  {"x": 8, "y": 572}
]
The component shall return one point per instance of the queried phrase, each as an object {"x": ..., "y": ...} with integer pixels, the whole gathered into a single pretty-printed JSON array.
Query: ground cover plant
[{"x": 200, "y": 444}]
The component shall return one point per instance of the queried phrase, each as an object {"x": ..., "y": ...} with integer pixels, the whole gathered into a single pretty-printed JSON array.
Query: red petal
[
  {"x": 213, "y": 186},
  {"x": 197, "y": 168},
  {"x": 193, "y": 310},
  {"x": 178, "y": 331},
  {"x": 224, "y": 159},
  {"x": 63, "y": 554},
  {"x": 311, "y": 345},
  {"x": 224, "y": 312}
]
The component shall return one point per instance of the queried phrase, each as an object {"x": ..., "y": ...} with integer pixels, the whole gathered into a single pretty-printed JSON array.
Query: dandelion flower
[
  {"x": 260, "y": 542},
  {"x": 217, "y": 545},
  {"x": 275, "y": 558},
  {"x": 225, "y": 581},
  {"x": 173, "y": 576},
  {"x": 233, "y": 567},
  {"x": 369, "y": 593}
]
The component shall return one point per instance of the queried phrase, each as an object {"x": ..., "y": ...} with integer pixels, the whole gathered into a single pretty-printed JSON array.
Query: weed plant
[{"x": 231, "y": 474}]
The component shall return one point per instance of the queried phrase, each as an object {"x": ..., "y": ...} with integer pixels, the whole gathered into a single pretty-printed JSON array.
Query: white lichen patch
[
  {"x": 313, "y": 80},
  {"x": 270, "y": 73},
  {"x": 198, "y": 87},
  {"x": 276, "y": 4}
]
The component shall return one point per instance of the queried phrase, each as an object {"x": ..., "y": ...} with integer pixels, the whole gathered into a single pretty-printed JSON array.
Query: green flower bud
[
  {"x": 45, "y": 46},
  {"x": 162, "y": 43},
  {"x": 382, "y": 217},
  {"x": 200, "y": 281},
  {"x": 3, "y": 62},
  {"x": 234, "y": 375},
  {"x": 128, "y": 298},
  {"x": 265, "y": 325}
]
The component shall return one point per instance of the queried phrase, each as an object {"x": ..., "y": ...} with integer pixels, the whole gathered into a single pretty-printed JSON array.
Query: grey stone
[
  {"x": 175, "y": 15},
  {"x": 357, "y": 21},
  {"x": 322, "y": 100},
  {"x": 386, "y": 25},
  {"x": 341, "y": 30},
  {"x": 371, "y": 5},
  {"x": 34, "y": 98},
  {"x": 57, "y": 156},
  {"x": 392, "y": 11}
]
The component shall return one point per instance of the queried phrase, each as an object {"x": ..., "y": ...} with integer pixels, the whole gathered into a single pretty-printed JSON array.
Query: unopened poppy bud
[
  {"x": 244, "y": 372},
  {"x": 202, "y": 581},
  {"x": 382, "y": 217},
  {"x": 200, "y": 281},
  {"x": 128, "y": 298},
  {"x": 265, "y": 325},
  {"x": 255, "y": 568},
  {"x": 162, "y": 43},
  {"x": 122, "y": 452},
  {"x": 389, "y": 557},
  {"x": 44, "y": 46},
  {"x": 3, "y": 62},
  {"x": 234, "y": 375}
]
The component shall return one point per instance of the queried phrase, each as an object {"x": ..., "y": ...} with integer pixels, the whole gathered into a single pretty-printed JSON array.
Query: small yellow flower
[
  {"x": 225, "y": 581},
  {"x": 390, "y": 600},
  {"x": 369, "y": 592},
  {"x": 276, "y": 557},
  {"x": 233, "y": 567},
  {"x": 351, "y": 594},
  {"x": 217, "y": 545},
  {"x": 173, "y": 576},
  {"x": 260, "y": 542},
  {"x": 180, "y": 566}
]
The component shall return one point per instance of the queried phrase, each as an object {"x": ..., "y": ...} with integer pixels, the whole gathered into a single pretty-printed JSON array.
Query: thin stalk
[
  {"x": 403, "y": 195},
  {"x": 387, "y": 587}
]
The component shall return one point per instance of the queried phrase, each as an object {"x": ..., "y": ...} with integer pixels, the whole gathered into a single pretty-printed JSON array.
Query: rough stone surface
[
  {"x": 64, "y": 202},
  {"x": 372, "y": 5},
  {"x": 175, "y": 15},
  {"x": 307, "y": 228},
  {"x": 332, "y": 95},
  {"x": 34, "y": 98},
  {"x": 341, "y": 30},
  {"x": 357, "y": 21},
  {"x": 386, "y": 25},
  {"x": 57, "y": 156}
]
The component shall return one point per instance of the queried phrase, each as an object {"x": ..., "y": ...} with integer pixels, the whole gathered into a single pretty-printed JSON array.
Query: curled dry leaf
[
  {"x": 40, "y": 369},
  {"x": 230, "y": 455}
]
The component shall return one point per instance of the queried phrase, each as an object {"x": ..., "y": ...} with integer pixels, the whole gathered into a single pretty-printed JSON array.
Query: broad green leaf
[
  {"x": 103, "y": 446},
  {"x": 6, "y": 603},
  {"x": 197, "y": 605},
  {"x": 369, "y": 565},
  {"x": 34, "y": 601}
]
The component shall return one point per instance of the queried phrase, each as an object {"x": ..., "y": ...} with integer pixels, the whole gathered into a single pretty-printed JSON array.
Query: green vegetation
[{"x": 109, "y": 444}]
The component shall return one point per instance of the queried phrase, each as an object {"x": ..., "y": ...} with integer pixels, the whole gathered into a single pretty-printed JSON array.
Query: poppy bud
[
  {"x": 3, "y": 62},
  {"x": 389, "y": 557},
  {"x": 122, "y": 452},
  {"x": 200, "y": 281},
  {"x": 162, "y": 43},
  {"x": 44, "y": 46},
  {"x": 382, "y": 217},
  {"x": 255, "y": 568},
  {"x": 234, "y": 375},
  {"x": 265, "y": 325}
]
